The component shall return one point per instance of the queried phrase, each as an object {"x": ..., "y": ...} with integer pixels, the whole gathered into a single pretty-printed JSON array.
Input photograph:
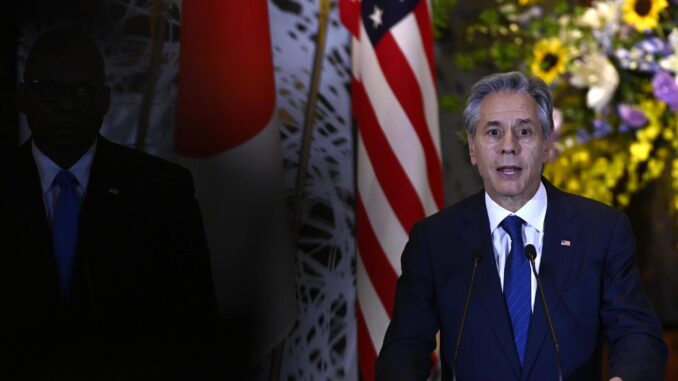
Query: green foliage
[
  {"x": 505, "y": 54},
  {"x": 451, "y": 103},
  {"x": 488, "y": 17},
  {"x": 561, "y": 7},
  {"x": 441, "y": 15}
]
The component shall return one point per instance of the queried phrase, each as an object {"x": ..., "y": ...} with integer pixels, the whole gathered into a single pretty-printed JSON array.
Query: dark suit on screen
[
  {"x": 142, "y": 282},
  {"x": 591, "y": 283}
]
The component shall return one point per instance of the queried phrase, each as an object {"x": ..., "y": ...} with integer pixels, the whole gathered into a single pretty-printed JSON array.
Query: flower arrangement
[{"x": 613, "y": 70}]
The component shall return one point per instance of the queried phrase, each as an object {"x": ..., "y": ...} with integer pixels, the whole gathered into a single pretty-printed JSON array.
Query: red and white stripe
[{"x": 399, "y": 178}]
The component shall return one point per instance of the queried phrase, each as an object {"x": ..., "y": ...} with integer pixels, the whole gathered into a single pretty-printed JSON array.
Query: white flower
[
  {"x": 557, "y": 120},
  {"x": 670, "y": 63},
  {"x": 602, "y": 14},
  {"x": 673, "y": 39},
  {"x": 534, "y": 12},
  {"x": 597, "y": 73}
]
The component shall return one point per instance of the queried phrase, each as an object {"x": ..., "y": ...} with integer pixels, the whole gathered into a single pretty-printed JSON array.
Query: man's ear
[
  {"x": 106, "y": 101},
  {"x": 471, "y": 148},
  {"x": 548, "y": 145}
]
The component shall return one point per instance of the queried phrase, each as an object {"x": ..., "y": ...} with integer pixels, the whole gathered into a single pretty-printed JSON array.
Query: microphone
[
  {"x": 475, "y": 259},
  {"x": 531, "y": 253}
]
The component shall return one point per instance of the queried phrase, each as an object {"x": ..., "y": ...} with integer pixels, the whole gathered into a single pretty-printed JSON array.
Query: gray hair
[{"x": 514, "y": 82}]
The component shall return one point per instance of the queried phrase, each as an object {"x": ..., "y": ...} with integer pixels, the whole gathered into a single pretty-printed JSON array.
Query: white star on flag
[{"x": 376, "y": 17}]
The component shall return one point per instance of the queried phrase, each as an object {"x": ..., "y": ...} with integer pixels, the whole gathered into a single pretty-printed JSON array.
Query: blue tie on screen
[
  {"x": 517, "y": 284},
  {"x": 65, "y": 229}
]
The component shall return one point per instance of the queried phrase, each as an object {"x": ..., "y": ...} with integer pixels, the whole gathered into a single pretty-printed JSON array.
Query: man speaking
[{"x": 467, "y": 270}]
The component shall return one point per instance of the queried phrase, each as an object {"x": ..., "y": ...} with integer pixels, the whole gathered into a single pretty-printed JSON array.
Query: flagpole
[
  {"x": 309, "y": 121},
  {"x": 158, "y": 26}
]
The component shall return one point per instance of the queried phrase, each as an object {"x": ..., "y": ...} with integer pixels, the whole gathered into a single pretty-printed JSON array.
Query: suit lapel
[
  {"x": 103, "y": 189},
  {"x": 488, "y": 286},
  {"x": 100, "y": 206},
  {"x": 560, "y": 242},
  {"x": 29, "y": 195}
]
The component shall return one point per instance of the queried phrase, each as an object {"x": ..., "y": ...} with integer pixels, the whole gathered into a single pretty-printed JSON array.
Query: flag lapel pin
[
  {"x": 113, "y": 191},
  {"x": 565, "y": 242}
]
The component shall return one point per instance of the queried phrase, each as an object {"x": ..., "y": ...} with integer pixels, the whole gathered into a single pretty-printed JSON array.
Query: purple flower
[
  {"x": 624, "y": 128},
  {"x": 665, "y": 89},
  {"x": 634, "y": 59},
  {"x": 654, "y": 45},
  {"x": 632, "y": 117},
  {"x": 601, "y": 129},
  {"x": 583, "y": 136}
]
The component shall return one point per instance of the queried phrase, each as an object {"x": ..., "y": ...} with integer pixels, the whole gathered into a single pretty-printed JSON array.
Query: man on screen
[
  {"x": 584, "y": 257},
  {"x": 105, "y": 270}
]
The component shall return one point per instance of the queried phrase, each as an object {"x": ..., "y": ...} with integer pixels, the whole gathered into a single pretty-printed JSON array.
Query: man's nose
[
  {"x": 66, "y": 100},
  {"x": 509, "y": 143}
]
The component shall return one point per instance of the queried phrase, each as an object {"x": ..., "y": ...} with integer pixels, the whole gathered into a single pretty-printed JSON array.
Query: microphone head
[
  {"x": 477, "y": 256},
  {"x": 531, "y": 252}
]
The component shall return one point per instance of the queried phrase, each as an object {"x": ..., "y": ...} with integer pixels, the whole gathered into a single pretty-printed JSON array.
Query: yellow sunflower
[
  {"x": 643, "y": 14},
  {"x": 550, "y": 57},
  {"x": 527, "y": 2}
]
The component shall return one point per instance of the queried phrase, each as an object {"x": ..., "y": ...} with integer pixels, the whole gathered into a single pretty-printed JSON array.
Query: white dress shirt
[
  {"x": 47, "y": 171},
  {"x": 533, "y": 213}
]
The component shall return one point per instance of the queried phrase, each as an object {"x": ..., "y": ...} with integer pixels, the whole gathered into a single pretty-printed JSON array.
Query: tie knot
[
  {"x": 65, "y": 178},
  {"x": 512, "y": 225}
]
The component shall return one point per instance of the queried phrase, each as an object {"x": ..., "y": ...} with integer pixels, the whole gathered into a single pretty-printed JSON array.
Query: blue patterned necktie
[
  {"x": 65, "y": 229},
  {"x": 517, "y": 284}
]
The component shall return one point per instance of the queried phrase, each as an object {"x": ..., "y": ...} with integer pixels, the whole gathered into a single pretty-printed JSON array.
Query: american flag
[{"x": 399, "y": 176}]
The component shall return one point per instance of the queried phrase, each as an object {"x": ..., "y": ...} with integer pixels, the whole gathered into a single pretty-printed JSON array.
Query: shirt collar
[
  {"x": 48, "y": 169},
  {"x": 533, "y": 212}
]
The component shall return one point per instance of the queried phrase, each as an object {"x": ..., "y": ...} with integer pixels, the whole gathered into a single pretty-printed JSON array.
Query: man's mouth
[
  {"x": 63, "y": 132},
  {"x": 509, "y": 170}
]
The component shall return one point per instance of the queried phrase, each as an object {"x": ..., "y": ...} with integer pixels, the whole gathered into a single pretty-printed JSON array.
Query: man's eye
[
  {"x": 84, "y": 90},
  {"x": 524, "y": 132},
  {"x": 493, "y": 132},
  {"x": 48, "y": 89}
]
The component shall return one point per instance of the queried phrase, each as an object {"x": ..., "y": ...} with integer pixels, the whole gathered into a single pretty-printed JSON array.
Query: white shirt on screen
[{"x": 47, "y": 171}]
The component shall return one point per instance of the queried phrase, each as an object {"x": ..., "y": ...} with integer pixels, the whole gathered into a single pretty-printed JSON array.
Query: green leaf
[
  {"x": 441, "y": 15},
  {"x": 451, "y": 103},
  {"x": 489, "y": 17},
  {"x": 464, "y": 61},
  {"x": 560, "y": 7}
]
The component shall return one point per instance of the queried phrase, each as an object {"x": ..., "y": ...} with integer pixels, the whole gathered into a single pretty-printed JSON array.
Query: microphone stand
[
  {"x": 531, "y": 253},
  {"x": 476, "y": 258}
]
